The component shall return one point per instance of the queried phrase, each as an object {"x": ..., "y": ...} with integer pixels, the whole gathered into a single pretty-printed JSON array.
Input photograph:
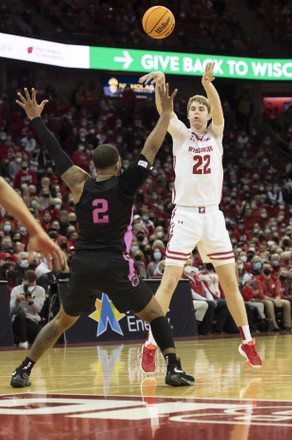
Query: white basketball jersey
[{"x": 197, "y": 165}]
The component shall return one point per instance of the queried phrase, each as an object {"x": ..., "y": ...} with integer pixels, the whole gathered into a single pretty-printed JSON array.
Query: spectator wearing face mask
[
  {"x": 284, "y": 284},
  {"x": 81, "y": 158},
  {"x": 22, "y": 264},
  {"x": 15, "y": 165},
  {"x": 154, "y": 263},
  {"x": 251, "y": 291},
  {"x": 256, "y": 265},
  {"x": 275, "y": 263},
  {"x": 139, "y": 264},
  {"x": 25, "y": 175},
  {"x": 26, "y": 302},
  {"x": 272, "y": 297},
  {"x": 7, "y": 228},
  {"x": 241, "y": 269}
]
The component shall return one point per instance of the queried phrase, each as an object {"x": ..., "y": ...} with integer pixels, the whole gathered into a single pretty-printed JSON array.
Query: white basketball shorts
[{"x": 202, "y": 227}]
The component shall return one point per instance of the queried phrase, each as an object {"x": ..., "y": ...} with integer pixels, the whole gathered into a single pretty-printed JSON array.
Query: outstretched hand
[
  {"x": 208, "y": 77},
  {"x": 166, "y": 101},
  {"x": 152, "y": 78},
  {"x": 29, "y": 103}
]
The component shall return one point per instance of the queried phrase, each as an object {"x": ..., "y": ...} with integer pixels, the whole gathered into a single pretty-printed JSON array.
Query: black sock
[
  {"x": 162, "y": 333},
  {"x": 170, "y": 359},
  {"x": 27, "y": 365}
]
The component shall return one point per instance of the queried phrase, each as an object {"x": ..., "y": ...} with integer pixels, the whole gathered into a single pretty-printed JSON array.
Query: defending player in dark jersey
[{"x": 104, "y": 209}]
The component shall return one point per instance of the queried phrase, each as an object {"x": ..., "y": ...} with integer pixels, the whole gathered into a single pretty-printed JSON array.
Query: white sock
[
  {"x": 247, "y": 336},
  {"x": 150, "y": 339}
]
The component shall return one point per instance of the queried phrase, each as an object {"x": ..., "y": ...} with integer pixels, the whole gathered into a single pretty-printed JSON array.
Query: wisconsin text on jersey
[{"x": 200, "y": 150}]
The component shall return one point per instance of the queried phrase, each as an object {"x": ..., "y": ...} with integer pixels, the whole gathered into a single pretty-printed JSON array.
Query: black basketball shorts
[{"x": 93, "y": 273}]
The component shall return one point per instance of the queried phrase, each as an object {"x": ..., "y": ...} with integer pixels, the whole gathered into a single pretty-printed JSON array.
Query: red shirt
[{"x": 271, "y": 286}]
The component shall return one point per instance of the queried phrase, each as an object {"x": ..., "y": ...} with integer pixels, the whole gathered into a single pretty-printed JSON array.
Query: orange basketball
[{"x": 158, "y": 22}]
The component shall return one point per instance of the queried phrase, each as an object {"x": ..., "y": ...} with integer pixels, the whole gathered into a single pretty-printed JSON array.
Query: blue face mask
[
  {"x": 257, "y": 266},
  {"x": 7, "y": 228},
  {"x": 134, "y": 249},
  {"x": 24, "y": 263},
  {"x": 157, "y": 256},
  {"x": 275, "y": 263},
  {"x": 22, "y": 230}
]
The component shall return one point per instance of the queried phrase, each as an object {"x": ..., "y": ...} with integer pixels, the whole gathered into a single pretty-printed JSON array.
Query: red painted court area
[{"x": 62, "y": 417}]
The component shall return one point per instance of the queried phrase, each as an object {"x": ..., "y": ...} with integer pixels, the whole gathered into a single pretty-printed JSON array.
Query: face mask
[
  {"x": 257, "y": 266},
  {"x": 275, "y": 263},
  {"x": 290, "y": 275},
  {"x": 145, "y": 217},
  {"x": 240, "y": 266},
  {"x": 243, "y": 258},
  {"x": 140, "y": 237},
  {"x": 157, "y": 256},
  {"x": 148, "y": 251},
  {"x": 283, "y": 277},
  {"x": 18, "y": 160},
  {"x": 24, "y": 168},
  {"x": 7, "y": 228},
  {"x": 34, "y": 203},
  {"x": 188, "y": 269},
  {"x": 267, "y": 271},
  {"x": 22, "y": 230},
  {"x": 160, "y": 234},
  {"x": 24, "y": 263},
  {"x": 138, "y": 257},
  {"x": 134, "y": 249},
  {"x": 73, "y": 222},
  {"x": 273, "y": 228},
  {"x": 252, "y": 283}
]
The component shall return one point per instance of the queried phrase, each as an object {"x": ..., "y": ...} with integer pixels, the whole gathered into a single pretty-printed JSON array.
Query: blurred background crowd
[{"x": 257, "y": 192}]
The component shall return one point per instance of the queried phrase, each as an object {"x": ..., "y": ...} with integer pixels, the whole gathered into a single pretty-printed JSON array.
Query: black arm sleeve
[{"x": 62, "y": 160}]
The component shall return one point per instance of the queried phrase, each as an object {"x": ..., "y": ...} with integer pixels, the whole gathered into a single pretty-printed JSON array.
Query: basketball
[{"x": 158, "y": 22}]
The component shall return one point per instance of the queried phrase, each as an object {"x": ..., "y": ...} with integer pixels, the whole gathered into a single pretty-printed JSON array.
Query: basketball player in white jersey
[{"x": 196, "y": 218}]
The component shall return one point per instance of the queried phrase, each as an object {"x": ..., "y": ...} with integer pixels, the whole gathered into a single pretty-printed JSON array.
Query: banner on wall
[
  {"x": 106, "y": 323},
  {"x": 141, "y": 61}
]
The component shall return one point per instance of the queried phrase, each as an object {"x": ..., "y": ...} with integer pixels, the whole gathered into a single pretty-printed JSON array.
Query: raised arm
[
  {"x": 73, "y": 176},
  {"x": 212, "y": 95},
  {"x": 157, "y": 135},
  {"x": 38, "y": 239}
]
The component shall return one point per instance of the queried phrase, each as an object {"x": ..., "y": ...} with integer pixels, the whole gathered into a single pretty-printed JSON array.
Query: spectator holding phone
[{"x": 26, "y": 302}]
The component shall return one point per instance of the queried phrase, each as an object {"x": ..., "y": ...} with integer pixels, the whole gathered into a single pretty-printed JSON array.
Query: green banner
[{"x": 132, "y": 60}]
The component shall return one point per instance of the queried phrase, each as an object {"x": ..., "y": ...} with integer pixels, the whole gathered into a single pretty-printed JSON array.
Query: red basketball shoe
[{"x": 249, "y": 352}]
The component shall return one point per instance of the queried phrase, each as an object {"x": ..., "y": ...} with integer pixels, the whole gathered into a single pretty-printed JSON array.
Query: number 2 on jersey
[
  {"x": 202, "y": 164},
  {"x": 99, "y": 213}
]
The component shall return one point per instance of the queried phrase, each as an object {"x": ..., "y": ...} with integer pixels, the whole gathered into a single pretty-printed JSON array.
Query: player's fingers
[
  {"x": 20, "y": 103},
  {"x": 142, "y": 78},
  {"x": 174, "y": 93},
  {"x": 33, "y": 95},
  {"x": 21, "y": 97},
  {"x": 43, "y": 103},
  {"x": 27, "y": 95}
]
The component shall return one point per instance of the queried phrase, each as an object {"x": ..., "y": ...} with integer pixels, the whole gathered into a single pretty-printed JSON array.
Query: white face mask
[{"x": 188, "y": 269}]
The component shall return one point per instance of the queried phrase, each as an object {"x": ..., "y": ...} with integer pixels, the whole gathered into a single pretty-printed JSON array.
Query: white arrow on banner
[{"x": 126, "y": 59}]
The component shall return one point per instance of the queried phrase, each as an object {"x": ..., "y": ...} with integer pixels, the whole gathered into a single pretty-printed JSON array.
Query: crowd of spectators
[
  {"x": 276, "y": 17},
  {"x": 201, "y": 26}
]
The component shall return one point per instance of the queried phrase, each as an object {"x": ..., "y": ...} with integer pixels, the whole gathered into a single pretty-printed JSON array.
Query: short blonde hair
[{"x": 201, "y": 99}]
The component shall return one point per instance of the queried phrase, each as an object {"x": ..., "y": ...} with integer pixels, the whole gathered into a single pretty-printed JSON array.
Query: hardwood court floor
[{"x": 99, "y": 392}]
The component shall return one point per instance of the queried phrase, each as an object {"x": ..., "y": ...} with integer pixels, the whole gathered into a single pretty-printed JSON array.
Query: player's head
[
  {"x": 198, "y": 111},
  {"x": 105, "y": 157}
]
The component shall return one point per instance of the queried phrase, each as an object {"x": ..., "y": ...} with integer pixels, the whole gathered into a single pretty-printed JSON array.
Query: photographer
[{"x": 26, "y": 302}]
